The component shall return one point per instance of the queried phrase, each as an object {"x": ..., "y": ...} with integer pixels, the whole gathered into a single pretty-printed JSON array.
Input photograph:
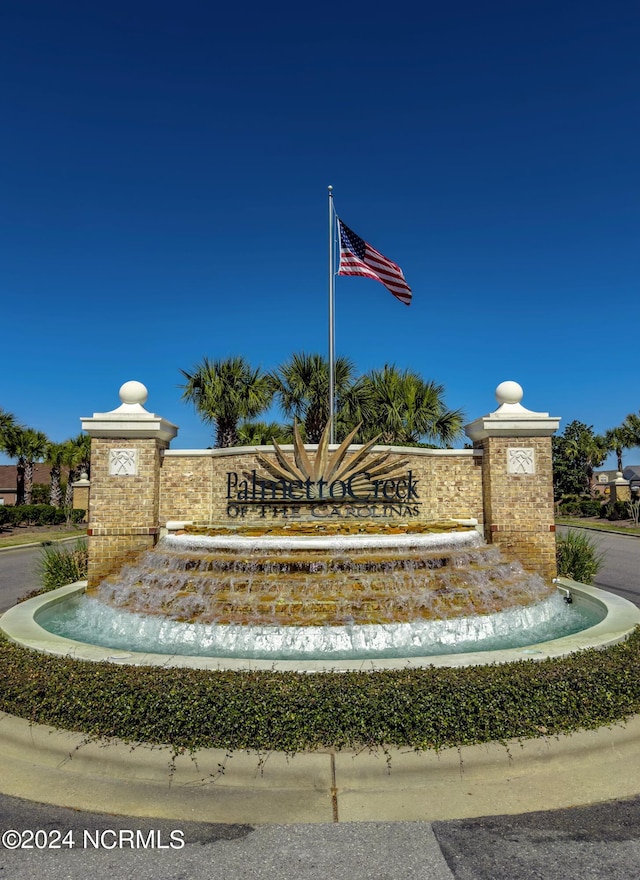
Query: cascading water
[
  {"x": 293, "y": 595},
  {"x": 336, "y": 581}
]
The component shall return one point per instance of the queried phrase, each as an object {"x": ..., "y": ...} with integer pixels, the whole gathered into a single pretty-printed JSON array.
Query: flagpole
[{"x": 332, "y": 352}]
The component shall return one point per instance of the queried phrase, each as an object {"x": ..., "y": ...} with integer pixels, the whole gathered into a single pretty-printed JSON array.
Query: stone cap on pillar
[
  {"x": 130, "y": 419},
  {"x": 511, "y": 419}
]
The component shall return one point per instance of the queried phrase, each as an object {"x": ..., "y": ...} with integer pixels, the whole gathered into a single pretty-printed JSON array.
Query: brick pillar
[
  {"x": 127, "y": 445},
  {"x": 81, "y": 495},
  {"x": 518, "y": 479}
]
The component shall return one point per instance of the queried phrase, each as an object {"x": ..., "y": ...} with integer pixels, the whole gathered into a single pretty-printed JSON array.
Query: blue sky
[{"x": 164, "y": 183}]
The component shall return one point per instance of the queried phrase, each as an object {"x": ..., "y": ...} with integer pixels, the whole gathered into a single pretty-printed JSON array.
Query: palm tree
[
  {"x": 77, "y": 457},
  {"x": 354, "y": 406},
  {"x": 409, "y": 410},
  {"x": 617, "y": 439},
  {"x": 226, "y": 391},
  {"x": 7, "y": 423},
  {"x": 263, "y": 433},
  {"x": 55, "y": 457},
  {"x": 631, "y": 430},
  {"x": 28, "y": 446},
  {"x": 301, "y": 386}
]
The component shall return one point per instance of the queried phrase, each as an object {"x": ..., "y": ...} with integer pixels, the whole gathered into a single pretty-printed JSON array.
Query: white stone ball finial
[
  {"x": 133, "y": 392},
  {"x": 509, "y": 392}
]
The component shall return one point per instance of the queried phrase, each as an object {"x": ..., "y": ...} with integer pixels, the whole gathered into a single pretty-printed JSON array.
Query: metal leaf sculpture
[{"x": 359, "y": 468}]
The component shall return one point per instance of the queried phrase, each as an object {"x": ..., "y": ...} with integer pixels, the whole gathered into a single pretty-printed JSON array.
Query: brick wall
[{"x": 194, "y": 487}]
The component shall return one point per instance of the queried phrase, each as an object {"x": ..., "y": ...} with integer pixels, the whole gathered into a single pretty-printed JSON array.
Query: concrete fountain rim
[{"x": 19, "y": 625}]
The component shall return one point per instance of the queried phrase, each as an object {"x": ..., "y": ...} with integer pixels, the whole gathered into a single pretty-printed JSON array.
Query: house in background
[
  {"x": 9, "y": 480},
  {"x": 632, "y": 473},
  {"x": 602, "y": 479},
  {"x": 605, "y": 479}
]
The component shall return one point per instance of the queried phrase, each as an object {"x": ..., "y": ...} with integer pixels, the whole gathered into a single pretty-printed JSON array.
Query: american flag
[{"x": 359, "y": 258}]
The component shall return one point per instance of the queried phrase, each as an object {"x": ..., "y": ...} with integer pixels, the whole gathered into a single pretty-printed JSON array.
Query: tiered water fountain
[{"x": 319, "y": 596}]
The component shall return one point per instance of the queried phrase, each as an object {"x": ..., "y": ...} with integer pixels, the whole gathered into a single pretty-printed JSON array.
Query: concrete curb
[{"x": 60, "y": 767}]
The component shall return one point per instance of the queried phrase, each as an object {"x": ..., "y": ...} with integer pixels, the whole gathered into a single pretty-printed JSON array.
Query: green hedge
[
  {"x": 430, "y": 708},
  {"x": 36, "y": 515},
  {"x": 581, "y": 507}
]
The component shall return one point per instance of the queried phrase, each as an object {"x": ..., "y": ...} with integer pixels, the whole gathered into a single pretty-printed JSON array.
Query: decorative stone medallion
[
  {"x": 520, "y": 461},
  {"x": 123, "y": 462}
]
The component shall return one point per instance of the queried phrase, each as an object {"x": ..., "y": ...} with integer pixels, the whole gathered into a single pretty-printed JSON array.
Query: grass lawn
[
  {"x": 621, "y": 527},
  {"x": 39, "y": 534}
]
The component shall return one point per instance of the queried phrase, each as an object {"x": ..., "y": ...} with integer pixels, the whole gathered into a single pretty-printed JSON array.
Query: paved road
[
  {"x": 620, "y": 572},
  {"x": 18, "y": 574}
]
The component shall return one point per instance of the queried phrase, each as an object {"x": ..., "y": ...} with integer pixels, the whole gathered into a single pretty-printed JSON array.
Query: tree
[
  {"x": 28, "y": 446},
  {"x": 77, "y": 457},
  {"x": 617, "y": 439},
  {"x": 7, "y": 423},
  {"x": 631, "y": 430},
  {"x": 226, "y": 391},
  {"x": 408, "y": 410},
  {"x": 301, "y": 387},
  {"x": 576, "y": 454},
  {"x": 8, "y": 429},
  {"x": 55, "y": 456}
]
